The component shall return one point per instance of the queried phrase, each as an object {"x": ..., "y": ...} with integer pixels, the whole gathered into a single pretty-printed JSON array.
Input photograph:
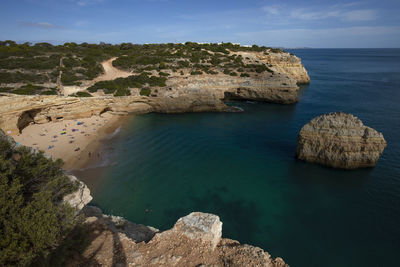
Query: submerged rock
[{"x": 339, "y": 140}]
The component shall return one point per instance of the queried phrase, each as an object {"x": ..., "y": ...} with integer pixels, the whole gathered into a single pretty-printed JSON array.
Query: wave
[{"x": 113, "y": 134}]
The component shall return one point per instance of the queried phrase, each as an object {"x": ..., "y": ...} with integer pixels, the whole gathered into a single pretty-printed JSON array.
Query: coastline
[{"x": 76, "y": 142}]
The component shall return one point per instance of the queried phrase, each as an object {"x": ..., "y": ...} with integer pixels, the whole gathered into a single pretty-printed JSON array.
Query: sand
[{"x": 76, "y": 142}]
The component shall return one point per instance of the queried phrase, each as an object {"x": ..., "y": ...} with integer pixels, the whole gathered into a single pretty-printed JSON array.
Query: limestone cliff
[
  {"x": 187, "y": 93},
  {"x": 19, "y": 111},
  {"x": 283, "y": 62},
  {"x": 340, "y": 140},
  {"x": 195, "y": 240}
]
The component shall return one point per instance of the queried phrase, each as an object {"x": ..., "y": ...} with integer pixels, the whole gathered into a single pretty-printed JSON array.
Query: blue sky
[{"x": 285, "y": 23}]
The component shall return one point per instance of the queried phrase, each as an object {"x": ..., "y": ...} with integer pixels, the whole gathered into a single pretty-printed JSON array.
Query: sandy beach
[{"x": 76, "y": 142}]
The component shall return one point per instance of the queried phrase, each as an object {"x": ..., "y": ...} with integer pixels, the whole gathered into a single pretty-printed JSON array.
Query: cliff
[
  {"x": 195, "y": 240},
  {"x": 182, "y": 93},
  {"x": 19, "y": 111},
  {"x": 340, "y": 140}
]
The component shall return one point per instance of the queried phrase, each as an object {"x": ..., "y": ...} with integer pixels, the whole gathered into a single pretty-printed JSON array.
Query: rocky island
[{"x": 340, "y": 140}]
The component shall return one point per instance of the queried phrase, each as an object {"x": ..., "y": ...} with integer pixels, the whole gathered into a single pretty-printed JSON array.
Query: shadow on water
[
  {"x": 306, "y": 173},
  {"x": 238, "y": 212}
]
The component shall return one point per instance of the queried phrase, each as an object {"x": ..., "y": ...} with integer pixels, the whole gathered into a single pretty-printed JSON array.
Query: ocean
[{"x": 242, "y": 167}]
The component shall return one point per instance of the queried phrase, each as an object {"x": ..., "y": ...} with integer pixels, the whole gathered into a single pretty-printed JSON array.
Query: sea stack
[{"x": 339, "y": 140}]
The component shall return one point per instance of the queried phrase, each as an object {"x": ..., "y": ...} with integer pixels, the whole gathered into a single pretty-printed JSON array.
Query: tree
[{"x": 33, "y": 217}]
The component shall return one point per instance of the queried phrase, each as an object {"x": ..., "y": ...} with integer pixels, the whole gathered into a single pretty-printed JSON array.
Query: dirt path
[{"x": 110, "y": 72}]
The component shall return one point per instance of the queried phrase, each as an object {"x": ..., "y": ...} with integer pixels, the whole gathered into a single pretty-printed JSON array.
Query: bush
[
  {"x": 33, "y": 218},
  {"x": 163, "y": 74},
  {"x": 196, "y": 72},
  {"x": 48, "y": 92},
  {"x": 83, "y": 94},
  {"x": 5, "y": 89},
  {"x": 244, "y": 75},
  {"x": 28, "y": 89},
  {"x": 233, "y": 73},
  {"x": 145, "y": 91},
  {"x": 18, "y": 77},
  {"x": 68, "y": 78},
  {"x": 122, "y": 92}
]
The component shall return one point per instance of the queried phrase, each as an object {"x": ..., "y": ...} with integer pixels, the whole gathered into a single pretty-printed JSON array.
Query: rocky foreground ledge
[
  {"x": 340, "y": 140},
  {"x": 195, "y": 240}
]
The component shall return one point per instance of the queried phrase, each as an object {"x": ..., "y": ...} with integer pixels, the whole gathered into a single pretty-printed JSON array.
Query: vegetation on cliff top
[
  {"x": 43, "y": 63},
  {"x": 33, "y": 218}
]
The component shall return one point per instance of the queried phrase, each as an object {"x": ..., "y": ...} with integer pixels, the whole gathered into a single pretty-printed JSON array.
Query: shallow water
[{"x": 241, "y": 166}]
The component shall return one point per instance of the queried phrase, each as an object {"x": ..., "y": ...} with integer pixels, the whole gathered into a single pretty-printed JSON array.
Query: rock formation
[
  {"x": 340, "y": 140},
  {"x": 188, "y": 93},
  {"x": 195, "y": 240},
  {"x": 19, "y": 111},
  {"x": 80, "y": 197}
]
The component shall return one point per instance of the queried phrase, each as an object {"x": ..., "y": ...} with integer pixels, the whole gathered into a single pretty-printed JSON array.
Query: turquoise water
[{"x": 241, "y": 166}]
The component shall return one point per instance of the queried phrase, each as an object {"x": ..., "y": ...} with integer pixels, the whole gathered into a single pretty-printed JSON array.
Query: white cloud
[
  {"x": 272, "y": 10},
  {"x": 357, "y": 37},
  {"x": 344, "y": 12},
  {"x": 41, "y": 25},
  {"x": 360, "y": 15},
  {"x": 87, "y": 2}
]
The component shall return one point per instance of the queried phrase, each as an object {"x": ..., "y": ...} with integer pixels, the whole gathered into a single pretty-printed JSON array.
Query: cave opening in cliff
[
  {"x": 27, "y": 117},
  {"x": 105, "y": 110}
]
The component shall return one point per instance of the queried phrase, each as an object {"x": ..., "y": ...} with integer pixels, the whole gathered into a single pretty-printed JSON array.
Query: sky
[{"x": 277, "y": 23}]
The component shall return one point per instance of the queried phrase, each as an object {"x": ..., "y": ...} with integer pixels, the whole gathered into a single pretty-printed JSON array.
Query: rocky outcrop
[
  {"x": 19, "y": 111},
  {"x": 81, "y": 197},
  {"x": 195, "y": 240},
  {"x": 340, "y": 140},
  {"x": 281, "y": 63},
  {"x": 268, "y": 87}
]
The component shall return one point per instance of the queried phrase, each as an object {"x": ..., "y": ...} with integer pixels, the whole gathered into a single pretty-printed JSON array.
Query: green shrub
[
  {"x": 68, "y": 78},
  {"x": 83, "y": 94},
  {"x": 33, "y": 218},
  {"x": 28, "y": 89},
  {"x": 233, "y": 73},
  {"x": 48, "y": 92},
  {"x": 5, "y": 89},
  {"x": 244, "y": 75},
  {"x": 17, "y": 77},
  {"x": 196, "y": 72},
  {"x": 163, "y": 74},
  {"x": 145, "y": 91},
  {"x": 122, "y": 92}
]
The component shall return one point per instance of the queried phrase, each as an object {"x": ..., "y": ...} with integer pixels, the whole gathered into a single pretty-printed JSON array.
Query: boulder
[{"x": 339, "y": 140}]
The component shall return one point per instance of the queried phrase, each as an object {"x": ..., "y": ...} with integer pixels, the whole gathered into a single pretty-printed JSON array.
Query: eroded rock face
[
  {"x": 81, "y": 197},
  {"x": 195, "y": 240},
  {"x": 339, "y": 140},
  {"x": 200, "y": 226}
]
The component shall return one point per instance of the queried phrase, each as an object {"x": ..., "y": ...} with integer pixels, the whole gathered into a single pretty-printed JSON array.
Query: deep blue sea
[{"x": 241, "y": 166}]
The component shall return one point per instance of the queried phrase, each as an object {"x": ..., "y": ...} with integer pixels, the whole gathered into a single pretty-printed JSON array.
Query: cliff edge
[{"x": 195, "y": 240}]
